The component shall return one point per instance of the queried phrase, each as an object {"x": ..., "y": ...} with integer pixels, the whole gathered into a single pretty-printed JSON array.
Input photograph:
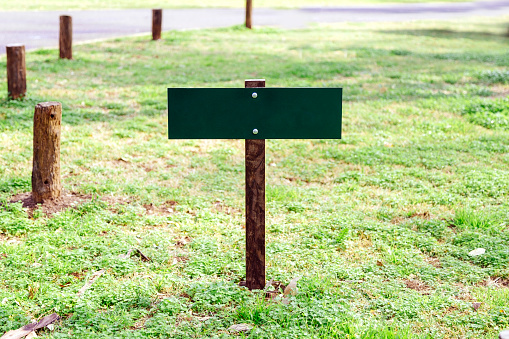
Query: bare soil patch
[
  {"x": 219, "y": 206},
  {"x": 418, "y": 286},
  {"x": 435, "y": 262},
  {"x": 496, "y": 282},
  {"x": 166, "y": 208},
  {"x": 183, "y": 242},
  {"x": 425, "y": 215},
  {"x": 51, "y": 206}
]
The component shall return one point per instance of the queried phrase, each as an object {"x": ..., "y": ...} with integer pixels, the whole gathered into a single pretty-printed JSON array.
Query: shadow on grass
[{"x": 449, "y": 34}]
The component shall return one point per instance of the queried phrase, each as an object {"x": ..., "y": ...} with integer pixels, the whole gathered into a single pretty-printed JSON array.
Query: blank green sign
[{"x": 254, "y": 113}]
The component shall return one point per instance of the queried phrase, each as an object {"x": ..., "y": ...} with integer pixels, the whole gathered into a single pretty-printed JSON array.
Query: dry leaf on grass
[
  {"x": 27, "y": 329},
  {"x": 477, "y": 251},
  {"x": 291, "y": 289},
  {"x": 240, "y": 328}
]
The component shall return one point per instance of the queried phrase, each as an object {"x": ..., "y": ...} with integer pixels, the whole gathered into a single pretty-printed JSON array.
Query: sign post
[
  {"x": 255, "y": 206},
  {"x": 265, "y": 113}
]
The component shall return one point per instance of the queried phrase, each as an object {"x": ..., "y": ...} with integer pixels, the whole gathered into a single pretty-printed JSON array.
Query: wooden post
[
  {"x": 16, "y": 71},
  {"x": 255, "y": 207},
  {"x": 46, "y": 182},
  {"x": 157, "y": 21},
  {"x": 65, "y": 40},
  {"x": 249, "y": 12}
]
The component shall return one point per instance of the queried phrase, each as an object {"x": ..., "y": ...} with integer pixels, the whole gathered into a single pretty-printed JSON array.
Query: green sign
[{"x": 254, "y": 113}]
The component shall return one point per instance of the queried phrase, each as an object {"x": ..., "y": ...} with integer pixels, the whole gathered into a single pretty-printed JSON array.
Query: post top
[
  {"x": 49, "y": 104},
  {"x": 254, "y": 83},
  {"x": 14, "y": 45}
]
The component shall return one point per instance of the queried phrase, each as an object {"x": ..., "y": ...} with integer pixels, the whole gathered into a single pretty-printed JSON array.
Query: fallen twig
[{"x": 89, "y": 283}]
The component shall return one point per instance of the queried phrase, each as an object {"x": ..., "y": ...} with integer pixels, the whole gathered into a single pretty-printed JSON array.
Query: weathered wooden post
[
  {"x": 249, "y": 13},
  {"x": 65, "y": 41},
  {"x": 254, "y": 113},
  {"x": 157, "y": 22},
  {"x": 46, "y": 183},
  {"x": 16, "y": 71},
  {"x": 255, "y": 206}
]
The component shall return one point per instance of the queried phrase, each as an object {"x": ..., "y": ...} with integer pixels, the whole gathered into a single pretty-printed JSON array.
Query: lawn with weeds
[
  {"x": 99, "y": 4},
  {"x": 378, "y": 225}
]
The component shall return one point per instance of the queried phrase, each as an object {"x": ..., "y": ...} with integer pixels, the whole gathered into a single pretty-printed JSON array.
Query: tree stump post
[
  {"x": 16, "y": 71},
  {"x": 255, "y": 207},
  {"x": 65, "y": 41},
  {"x": 249, "y": 13},
  {"x": 157, "y": 22},
  {"x": 46, "y": 183}
]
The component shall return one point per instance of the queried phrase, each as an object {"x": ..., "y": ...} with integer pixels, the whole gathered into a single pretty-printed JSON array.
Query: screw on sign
[{"x": 254, "y": 115}]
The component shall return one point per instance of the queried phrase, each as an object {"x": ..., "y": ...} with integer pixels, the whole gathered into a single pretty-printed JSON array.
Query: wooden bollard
[
  {"x": 157, "y": 21},
  {"x": 46, "y": 183},
  {"x": 65, "y": 41},
  {"x": 255, "y": 207},
  {"x": 249, "y": 13},
  {"x": 16, "y": 71}
]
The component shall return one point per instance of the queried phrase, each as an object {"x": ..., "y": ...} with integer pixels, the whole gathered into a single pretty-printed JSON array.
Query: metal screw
[
  {"x": 255, "y": 131},
  {"x": 254, "y": 95}
]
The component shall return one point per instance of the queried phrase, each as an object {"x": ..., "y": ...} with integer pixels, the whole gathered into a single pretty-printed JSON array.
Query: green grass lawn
[
  {"x": 378, "y": 225},
  {"x": 100, "y": 4}
]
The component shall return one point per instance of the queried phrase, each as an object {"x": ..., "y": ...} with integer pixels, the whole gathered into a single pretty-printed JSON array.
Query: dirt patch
[
  {"x": 183, "y": 242},
  {"x": 500, "y": 92},
  {"x": 418, "y": 286},
  {"x": 114, "y": 200},
  {"x": 185, "y": 295},
  {"x": 78, "y": 275},
  {"x": 182, "y": 259},
  {"x": 435, "y": 262},
  {"x": 165, "y": 209},
  {"x": 51, "y": 206},
  {"x": 423, "y": 215},
  {"x": 496, "y": 282},
  {"x": 219, "y": 206},
  {"x": 465, "y": 296}
]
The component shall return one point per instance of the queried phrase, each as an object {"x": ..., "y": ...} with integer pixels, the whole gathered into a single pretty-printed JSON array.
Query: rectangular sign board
[{"x": 254, "y": 113}]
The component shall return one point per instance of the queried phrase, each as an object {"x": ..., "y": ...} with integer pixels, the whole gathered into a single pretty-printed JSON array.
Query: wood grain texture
[
  {"x": 16, "y": 71},
  {"x": 65, "y": 41},
  {"x": 255, "y": 207},
  {"x": 46, "y": 181},
  {"x": 157, "y": 22},
  {"x": 249, "y": 13}
]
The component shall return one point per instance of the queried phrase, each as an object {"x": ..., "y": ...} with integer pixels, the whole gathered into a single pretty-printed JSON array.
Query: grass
[
  {"x": 97, "y": 4},
  {"x": 378, "y": 224}
]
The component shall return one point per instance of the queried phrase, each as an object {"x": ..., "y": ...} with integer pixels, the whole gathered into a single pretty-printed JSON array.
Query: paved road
[{"x": 40, "y": 29}]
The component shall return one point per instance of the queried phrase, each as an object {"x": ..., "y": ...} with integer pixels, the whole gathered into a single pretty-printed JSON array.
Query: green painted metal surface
[{"x": 233, "y": 113}]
